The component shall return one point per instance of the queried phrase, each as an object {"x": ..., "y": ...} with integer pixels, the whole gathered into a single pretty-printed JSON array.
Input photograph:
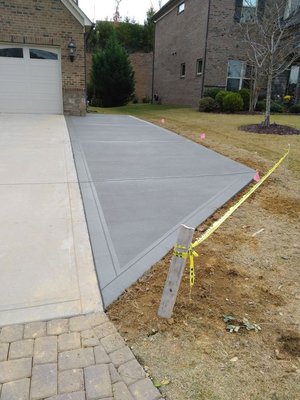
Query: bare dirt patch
[{"x": 248, "y": 269}]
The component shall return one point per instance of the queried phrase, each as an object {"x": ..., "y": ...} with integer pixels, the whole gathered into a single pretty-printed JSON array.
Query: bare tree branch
[{"x": 271, "y": 44}]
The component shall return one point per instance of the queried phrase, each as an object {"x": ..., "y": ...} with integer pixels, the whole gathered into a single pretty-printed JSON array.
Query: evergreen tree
[
  {"x": 112, "y": 75},
  {"x": 149, "y": 31},
  {"x": 131, "y": 35}
]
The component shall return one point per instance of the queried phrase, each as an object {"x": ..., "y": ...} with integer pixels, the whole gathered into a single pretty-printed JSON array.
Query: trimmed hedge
[
  {"x": 295, "y": 109},
  {"x": 207, "y": 104},
  {"x": 275, "y": 107},
  {"x": 233, "y": 102},
  {"x": 221, "y": 96},
  {"x": 211, "y": 92}
]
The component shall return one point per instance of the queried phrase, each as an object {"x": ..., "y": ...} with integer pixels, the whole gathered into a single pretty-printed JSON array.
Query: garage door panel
[
  {"x": 31, "y": 85},
  {"x": 19, "y": 107}
]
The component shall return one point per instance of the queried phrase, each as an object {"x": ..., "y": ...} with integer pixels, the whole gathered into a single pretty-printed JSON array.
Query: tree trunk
[
  {"x": 252, "y": 91},
  {"x": 268, "y": 101}
]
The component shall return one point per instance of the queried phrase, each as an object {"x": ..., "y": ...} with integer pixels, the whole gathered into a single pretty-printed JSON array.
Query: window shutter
[{"x": 238, "y": 10}]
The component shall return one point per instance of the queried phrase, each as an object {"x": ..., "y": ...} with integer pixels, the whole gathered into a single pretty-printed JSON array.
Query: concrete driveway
[
  {"x": 46, "y": 263},
  {"x": 139, "y": 182}
]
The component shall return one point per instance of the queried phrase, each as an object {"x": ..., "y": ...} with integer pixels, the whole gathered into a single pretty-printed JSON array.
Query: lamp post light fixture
[{"x": 72, "y": 49}]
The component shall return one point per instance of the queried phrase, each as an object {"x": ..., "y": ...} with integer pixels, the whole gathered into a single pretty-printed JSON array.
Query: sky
[{"x": 104, "y": 9}]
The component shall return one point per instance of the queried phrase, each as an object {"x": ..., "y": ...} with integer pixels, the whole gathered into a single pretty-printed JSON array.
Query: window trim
[
  {"x": 181, "y": 8},
  {"x": 242, "y": 76},
  {"x": 247, "y": 12},
  {"x": 182, "y": 70},
  {"x": 251, "y": 13},
  {"x": 198, "y": 61},
  {"x": 290, "y": 8},
  {"x": 249, "y": 5}
]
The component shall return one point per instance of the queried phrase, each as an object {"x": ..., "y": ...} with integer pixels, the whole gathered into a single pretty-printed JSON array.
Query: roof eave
[
  {"x": 77, "y": 13},
  {"x": 167, "y": 7}
]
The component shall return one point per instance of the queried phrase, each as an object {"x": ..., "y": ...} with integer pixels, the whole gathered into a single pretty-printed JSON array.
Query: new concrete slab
[
  {"x": 46, "y": 262},
  {"x": 139, "y": 182}
]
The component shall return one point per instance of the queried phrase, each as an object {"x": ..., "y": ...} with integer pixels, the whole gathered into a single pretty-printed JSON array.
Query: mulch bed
[{"x": 273, "y": 129}]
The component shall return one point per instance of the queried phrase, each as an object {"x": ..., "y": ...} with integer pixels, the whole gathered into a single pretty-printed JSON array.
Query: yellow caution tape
[
  {"x": 220, "y": 221},
  {"x": 184, "y": 252}
]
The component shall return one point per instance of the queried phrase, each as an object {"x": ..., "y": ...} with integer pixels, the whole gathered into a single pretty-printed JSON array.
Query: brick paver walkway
[{"x": 79, "y": 358}]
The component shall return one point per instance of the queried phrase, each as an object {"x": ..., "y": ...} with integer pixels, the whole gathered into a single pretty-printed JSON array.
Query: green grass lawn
[{"x": 222, "y": 133}]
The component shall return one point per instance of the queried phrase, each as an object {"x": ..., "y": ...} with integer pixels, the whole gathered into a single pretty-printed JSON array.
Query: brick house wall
[
  {"x": 223, "y": 42},
  {"x": 180, "y": 38},
  {"x": 142, "y": 64},
  {"x": 49, "y": 23},
  {"x": 206, "y": 29}
]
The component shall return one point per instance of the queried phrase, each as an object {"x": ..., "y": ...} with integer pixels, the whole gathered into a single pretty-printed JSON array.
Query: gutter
[
  {"x": 166, "y": 8},
  {"x": 77, "y": 12}
]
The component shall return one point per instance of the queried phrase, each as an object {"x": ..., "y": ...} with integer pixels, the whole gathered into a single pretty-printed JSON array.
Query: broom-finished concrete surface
[
  {"x": 139, "y": 182},
  {"x": 47, "y": 268}
]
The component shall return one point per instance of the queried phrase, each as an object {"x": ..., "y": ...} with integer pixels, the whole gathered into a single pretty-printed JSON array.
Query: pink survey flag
[
  {"x": 202, "y": 136},
  {"x": 256, "y": 177}
]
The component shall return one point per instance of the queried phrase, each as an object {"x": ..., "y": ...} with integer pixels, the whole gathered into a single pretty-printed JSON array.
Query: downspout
[
  {"x": 152, "y": 94},
  {"x": 86, "y": 37},
  {"x": 205, "y": 50}
]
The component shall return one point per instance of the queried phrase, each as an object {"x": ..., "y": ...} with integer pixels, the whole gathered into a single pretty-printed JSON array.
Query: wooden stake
[{"x": 175, "y": 273}]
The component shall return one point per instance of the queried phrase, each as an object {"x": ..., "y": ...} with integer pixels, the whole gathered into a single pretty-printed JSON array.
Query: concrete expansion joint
[{"x": 78, "y": 358}]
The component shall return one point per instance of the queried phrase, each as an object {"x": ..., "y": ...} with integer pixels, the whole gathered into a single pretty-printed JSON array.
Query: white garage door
[{"x": 30, "y": 80}]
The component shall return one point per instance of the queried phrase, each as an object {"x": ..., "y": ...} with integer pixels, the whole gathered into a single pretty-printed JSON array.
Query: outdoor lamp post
[{"x": 72, "y": 49}]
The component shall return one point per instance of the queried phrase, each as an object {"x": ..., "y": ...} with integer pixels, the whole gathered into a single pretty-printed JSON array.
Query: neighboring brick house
[
  {"x": 198, "y": 45},
  {"x": 37, "y": 72}
]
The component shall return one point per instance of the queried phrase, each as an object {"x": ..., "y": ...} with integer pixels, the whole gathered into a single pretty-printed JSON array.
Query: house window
[
  {"x": 199, "y": 66},
  {"x": 249, "y": 10},
  {"x": 182, "y": 70},
  {"x": 180, "y": 8},
  {"x": 238, "y": 75},
  {"x": 291, "y": 7},
  {"x": 249, "y": 3},
  {"x": 294, "y": 75},
  {"x": 42, "y": 54},
  {"x": 13, "y": 52}
]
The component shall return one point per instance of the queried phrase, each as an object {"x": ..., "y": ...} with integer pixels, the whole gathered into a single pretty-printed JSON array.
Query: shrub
[
  {"x": 295, "y": 109},
  {"x": 96, "y": 102},
  {"x": 211, "y": 92},
  {"x": 233, "y": 102},
  {"x": 146, "y": 100},
  {"x": 207, "y": 104},
  {"x": 277, "y": 107},
  {"x": 260, "y": 105},
  {"x": 262, "y": 96},
  {"x": 245, "y": 94},
  {"x": 220, "y": 96}
]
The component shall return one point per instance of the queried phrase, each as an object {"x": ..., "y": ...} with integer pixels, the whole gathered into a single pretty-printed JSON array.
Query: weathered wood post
[{"x": 175, "y": 273}]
